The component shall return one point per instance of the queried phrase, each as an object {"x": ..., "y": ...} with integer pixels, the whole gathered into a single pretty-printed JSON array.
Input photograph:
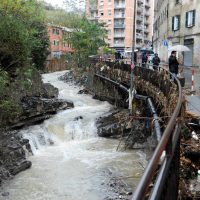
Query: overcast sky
[
  {"x": 55, "y": 2},
  {"x": 60, "y": 3}
]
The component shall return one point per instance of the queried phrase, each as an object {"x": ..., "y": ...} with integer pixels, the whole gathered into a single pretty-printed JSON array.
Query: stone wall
[{"x": 146, "y": 81}]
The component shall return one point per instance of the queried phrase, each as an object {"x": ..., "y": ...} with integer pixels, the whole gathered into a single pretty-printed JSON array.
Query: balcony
[
  {"x": 119, "y": 16},
  {"x": 138, "y": 45},
  {"x": 120, "y": 6},
  {"x": 119, "y": 45},
  {"x": 138, "y": 27},
  {"x": 139, "y": 36},
  {"x": 119, "y": 35},
  {"x": 146, "y": 22},
  {"x": 146, "y": 39},
  {"x": 140, "y": 1},
  {"x": 147, "y": 6},
  {"x": 139, "y": 18},
  {"x": 119, "y": 25},
  {"x": 140, "y": 9}
]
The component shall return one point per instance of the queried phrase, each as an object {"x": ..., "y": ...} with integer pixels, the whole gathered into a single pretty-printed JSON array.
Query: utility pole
[{"x": 132, "y": 61}]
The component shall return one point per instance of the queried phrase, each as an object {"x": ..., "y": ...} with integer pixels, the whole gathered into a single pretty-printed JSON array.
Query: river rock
[
  {"x": 36, "y": 110},
  {"x": 12, "y": 154},
  {"x": 49, "y": 91},
  {"x": 114, "y": 124}
]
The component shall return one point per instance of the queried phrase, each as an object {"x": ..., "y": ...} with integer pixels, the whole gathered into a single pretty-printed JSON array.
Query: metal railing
[
  {"x": 166, "y": 183},
  {"x": 161, "y": 176}
]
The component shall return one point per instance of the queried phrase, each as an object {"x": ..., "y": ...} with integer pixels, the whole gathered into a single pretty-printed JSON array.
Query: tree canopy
[
  {"x": 86, "y": 40},
  {"x": 24, "y": 44},
  {"x": 23, "y": 34}
]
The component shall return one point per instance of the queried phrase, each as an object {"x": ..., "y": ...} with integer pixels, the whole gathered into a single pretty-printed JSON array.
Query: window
[
  {"x": 109, "y": 12},
  {"x": 56, "y": 43},
  {"x": 177, "y": 1},
  {"x": 176, "y": 23},
  {"x": 190, "y": 19},
  {"x": 109, "y": 21},
  {"x": 101, "y": 13},
  {"x": 56, "y": 31}
]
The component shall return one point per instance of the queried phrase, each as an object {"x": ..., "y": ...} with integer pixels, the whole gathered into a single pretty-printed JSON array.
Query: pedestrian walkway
[{"x": 193, "y": 105}]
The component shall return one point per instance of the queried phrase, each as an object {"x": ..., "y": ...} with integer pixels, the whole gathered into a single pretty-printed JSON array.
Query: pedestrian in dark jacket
[
  {"x": 144, "y": 59},
  {"x": 173, "y": 64},
  {"x": 156, "y": 62}
]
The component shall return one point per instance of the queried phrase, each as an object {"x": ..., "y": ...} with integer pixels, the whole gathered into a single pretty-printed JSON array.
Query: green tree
[
  {"x": 86, "y": 39},
  {"x": 23, "y": 33},
  {"x": 24, "y": 43}
]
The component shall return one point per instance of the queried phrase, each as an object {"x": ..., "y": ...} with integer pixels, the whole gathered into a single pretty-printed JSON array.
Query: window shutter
[
  {"x": 193, "y": 17},
  {"x": 172, "y": 23},
  {"x": 186, "y": 20},
  {"x": 179, "y": 21}
]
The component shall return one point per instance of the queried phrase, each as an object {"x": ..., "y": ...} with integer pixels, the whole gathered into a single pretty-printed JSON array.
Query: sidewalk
[{"x": 193, "y": 105}]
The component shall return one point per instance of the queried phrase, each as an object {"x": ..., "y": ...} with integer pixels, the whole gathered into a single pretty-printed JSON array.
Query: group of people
[
  {"x": 173, "y": 63},
  {"x": 155, "y": 60}
]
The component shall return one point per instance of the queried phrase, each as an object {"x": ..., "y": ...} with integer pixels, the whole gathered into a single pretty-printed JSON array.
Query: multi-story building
[
  {"x": 161, "y": 28},
  {"x": 118, "y": 17},
  {"x": 179, "y": 26},
  {"x": 59, "y": 40}
]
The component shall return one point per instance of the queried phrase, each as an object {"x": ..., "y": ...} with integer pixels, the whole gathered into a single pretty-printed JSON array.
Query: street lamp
[{"x": 132, "y": 62}]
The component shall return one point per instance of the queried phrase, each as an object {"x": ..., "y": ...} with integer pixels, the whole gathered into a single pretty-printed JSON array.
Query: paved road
[{"x": 193, "y": 104}]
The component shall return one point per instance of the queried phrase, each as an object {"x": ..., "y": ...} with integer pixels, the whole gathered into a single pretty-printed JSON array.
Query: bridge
[{"x": 161, "y": 176}]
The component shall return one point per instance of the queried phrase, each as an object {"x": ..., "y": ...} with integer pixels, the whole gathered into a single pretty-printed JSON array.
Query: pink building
[
  {"x": 59, "y": 40},
  {"x": 118, "y": 17}
]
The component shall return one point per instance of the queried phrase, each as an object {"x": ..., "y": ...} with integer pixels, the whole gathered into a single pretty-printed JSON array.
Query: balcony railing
[
  {"x": 138, "y": 27},
  {"x": 120, "y": 6},
  {"x": 146, "y": 30},
  {"x": 146, "y": 22},
  {"x": 139, "y": 18},
  {"x": 140, "y": 9},
  {"x": 119, "y": 35},
  {"x": 119, "y": 25},
  {"x": 140, "y": 1},
  {"x": 119, "y": 45},
  {"x": 139, "y": 36},
  {"x": 118, "y": 16}
]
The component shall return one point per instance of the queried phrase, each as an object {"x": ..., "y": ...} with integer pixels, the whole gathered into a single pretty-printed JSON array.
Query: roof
[{"x": 61, "y": 27}]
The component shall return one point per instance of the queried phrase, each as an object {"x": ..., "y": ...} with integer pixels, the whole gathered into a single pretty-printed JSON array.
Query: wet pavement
[{"x": 193, "y": 104}]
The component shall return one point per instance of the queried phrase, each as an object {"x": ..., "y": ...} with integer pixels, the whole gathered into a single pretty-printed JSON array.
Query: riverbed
[{"x": 69, "y": 161}]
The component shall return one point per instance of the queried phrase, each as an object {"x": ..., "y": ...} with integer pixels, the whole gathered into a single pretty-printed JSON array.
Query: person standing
[
  {"x": 173, "y": 64},
  {"x": 156, "y": 62},
  {"x": 144, "y": 59}
]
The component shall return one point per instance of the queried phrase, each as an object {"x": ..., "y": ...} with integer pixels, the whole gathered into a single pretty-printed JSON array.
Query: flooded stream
[{"x": 70, "y": 161}]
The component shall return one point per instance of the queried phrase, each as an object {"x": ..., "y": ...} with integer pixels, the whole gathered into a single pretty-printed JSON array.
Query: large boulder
[
  {"x": 49, "y": 91},
  {"x": 13, "y": 154}
]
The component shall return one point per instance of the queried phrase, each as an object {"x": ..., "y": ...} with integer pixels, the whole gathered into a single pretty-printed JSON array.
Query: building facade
[
  {"x": 117, "y": 15},
  {"x": 178, "y": 22},
  {"x": 59, "y": 40}
]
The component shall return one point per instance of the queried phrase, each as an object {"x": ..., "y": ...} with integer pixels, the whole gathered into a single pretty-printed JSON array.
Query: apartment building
[
  {"x": 161, "y": 29},
  {"x": 59, "y": 43},
  {"x": 178, "y": 22},
  {"x": 118, "y": 18}
]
